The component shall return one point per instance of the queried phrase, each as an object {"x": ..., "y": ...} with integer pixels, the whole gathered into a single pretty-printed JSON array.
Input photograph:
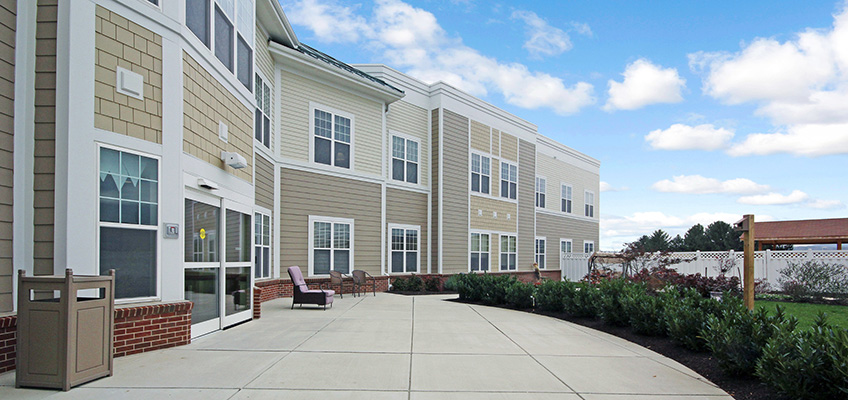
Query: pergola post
[{"x": 746, "y": 226}]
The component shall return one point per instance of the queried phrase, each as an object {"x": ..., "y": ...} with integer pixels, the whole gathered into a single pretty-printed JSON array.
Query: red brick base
[{"x": 137, "y": 330}]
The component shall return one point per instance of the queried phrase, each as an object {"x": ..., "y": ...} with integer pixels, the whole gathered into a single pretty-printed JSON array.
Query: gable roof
[{"x": 802, "y": 230}]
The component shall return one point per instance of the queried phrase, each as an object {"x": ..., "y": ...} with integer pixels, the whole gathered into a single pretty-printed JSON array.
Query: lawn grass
[{"x": 806, "y": 312}]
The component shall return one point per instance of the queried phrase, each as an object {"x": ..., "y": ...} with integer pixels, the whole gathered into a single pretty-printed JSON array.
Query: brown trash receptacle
[{"x": 65, "y": 329}]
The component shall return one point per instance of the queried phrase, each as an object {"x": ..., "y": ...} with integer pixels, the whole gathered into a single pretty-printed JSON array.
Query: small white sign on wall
[
  {"x": 223, "y": 134},
  {"x": 129, "y": 83}
]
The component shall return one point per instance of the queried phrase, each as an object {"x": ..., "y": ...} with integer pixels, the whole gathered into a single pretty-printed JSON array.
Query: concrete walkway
[{"x": 395, "y": 347}]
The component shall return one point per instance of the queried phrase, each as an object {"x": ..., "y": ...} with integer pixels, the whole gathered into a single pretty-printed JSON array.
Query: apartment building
[{"x": 198, "y": 148}]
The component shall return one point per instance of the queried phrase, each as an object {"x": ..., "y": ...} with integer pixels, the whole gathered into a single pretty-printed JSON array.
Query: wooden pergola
[{"x": 807, "y": 231}]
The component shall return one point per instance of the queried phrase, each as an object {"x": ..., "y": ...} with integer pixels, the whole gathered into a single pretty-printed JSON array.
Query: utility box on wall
[{"x": 65, "y": 329}]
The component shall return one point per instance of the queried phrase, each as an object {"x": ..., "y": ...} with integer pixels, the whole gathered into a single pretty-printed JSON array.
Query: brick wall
[{"x": 137, "y": 330}]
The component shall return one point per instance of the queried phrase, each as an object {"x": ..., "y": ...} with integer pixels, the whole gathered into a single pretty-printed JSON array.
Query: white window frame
[
  {"x": 541, "y": 195},
  {"x": 587, "y": 244},
  {"x": 405, "y": 160},
  {"x": 588, "y": 208},
  {"x": 333, "y": 112},
  {"x": 544, "y": 263},
  {"x": 210, "y": 21},
  {"x": 418, "y": 246},
  {"x": 311, "y": 239},
  {"x": 506, "y": 253},
  {"x": 489, "y": 247},
  {"x": 262, "y": 108},
  {"x": 157, "y": 6},
  {"x": 563, "y": 250},
  {"x": 509, "y": 181},
  {"x": 260, "y": 214},
  {"x": 482, "y": 173},
  {"x": 567, "y": 198},
  {"x": 100, "y": 224}
]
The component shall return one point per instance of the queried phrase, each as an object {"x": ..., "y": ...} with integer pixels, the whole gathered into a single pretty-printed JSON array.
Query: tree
[
  {"x": 676, "y": 244},
  {"x": 695, "y": 239},
  {"x": 658, "y": 241},
  {"x": 722, "y": 237}
]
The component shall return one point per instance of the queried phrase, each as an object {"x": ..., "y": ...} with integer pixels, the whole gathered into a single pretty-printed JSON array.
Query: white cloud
[
  {"x": 801, "y": 85},
  {"x": 825, "y": 204},
  {"x": 606, "y": 187},
  {"x": 773, "y": 198},
  {"x": 544, "y": 39},
  {"x": 411, "y": 39},
  {"x": 809, "y": 140},
  {"x": 644, "y": 84},
  {"x": 697, "y": 184},
  {"x": 686, "y": 137}
]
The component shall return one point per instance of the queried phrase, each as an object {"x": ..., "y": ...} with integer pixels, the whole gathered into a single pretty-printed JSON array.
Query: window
[
  {"x": 262, "y": 122},
  {"x": 245, "y": 62},
  {"x": 214, "y": 23},
  {"x": 566, "y": 198},
  {"x": 262, "y": 246},
  {"x": 590, "y": 204},
  {"x": 508, "y": 253},
  {"x": 404, "y": 160},
  {"x": 154, "y": 2},
  {"x": 540, "y": 252},
  {"x": 404, "y": 244},
  {"x": 509, "y": 180},
  {"x": 197, "y": 19},
  {"x": 480, "y": 173},
  {"x": 588, "y": 247},
  {"x": 330, "y": 245},
  {"x": 565, "y": 246},
  {"x": 129, "y": 221},
  {"x": 223, "y": 39},
  {"x": 479, "y": 252},
  {"x": 540, "y": 192},
  {"x": 332, "y": 139}
]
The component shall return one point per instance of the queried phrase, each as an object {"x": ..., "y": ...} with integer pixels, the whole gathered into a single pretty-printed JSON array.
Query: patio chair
[
  {"x": 338, "y": 278},
  {"x": 303, "y": 295},
  {"x": 360, "y": 279}
]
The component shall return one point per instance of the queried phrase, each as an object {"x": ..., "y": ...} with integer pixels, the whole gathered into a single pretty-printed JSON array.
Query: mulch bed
[
  {"x": 407, "y": 293},
  {"x": 703, "y": 363}
]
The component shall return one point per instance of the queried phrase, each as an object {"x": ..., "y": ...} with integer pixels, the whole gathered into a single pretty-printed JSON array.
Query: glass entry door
[{"x": 217, "y": 262}]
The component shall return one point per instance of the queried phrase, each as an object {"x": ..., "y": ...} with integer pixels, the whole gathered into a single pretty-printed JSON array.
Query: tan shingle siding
[
  {"x": 44, "y": 163},
  {"x": 455, "y": 193},
  {"x": 526, "y": 204},
  {"x": 408, "y": 208},
  {"x": 205, "y": 103},
  {"x": 264, "y": 183},
  {"x": 8, "y": 26},
  {"x": 307, "y": 193}
]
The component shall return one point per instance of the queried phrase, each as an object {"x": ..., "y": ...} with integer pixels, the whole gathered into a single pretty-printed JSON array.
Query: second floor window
[
  {"x": 480, "y": 173},
  {"x": 333, "y": 134},
  {"x": 262, "y": 123},
  {"x": 225, "y": 27},
  {"x": 404, "y": 160},
  {"x": 566, "y": 198},
  {"x": 590, "y": 205},
  {"x": 509, "y": 181},
  {"x": 540, "y": 192}
]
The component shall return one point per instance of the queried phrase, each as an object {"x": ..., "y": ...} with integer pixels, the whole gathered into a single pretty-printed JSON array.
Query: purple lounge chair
[{"x": 302, "y": 295}]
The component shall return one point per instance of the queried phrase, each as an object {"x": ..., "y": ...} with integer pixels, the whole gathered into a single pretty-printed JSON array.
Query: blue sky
[{"x": 698, "y": 111}]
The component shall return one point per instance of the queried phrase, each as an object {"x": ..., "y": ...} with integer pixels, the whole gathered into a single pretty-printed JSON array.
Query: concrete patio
[{"x": 395, "y": 347}]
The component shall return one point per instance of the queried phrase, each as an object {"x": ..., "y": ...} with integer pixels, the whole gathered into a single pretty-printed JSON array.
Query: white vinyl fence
[{"x": 767, "y": 264}]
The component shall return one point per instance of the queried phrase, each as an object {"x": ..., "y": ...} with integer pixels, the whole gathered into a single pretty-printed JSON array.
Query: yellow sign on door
[{"x": 202, "y": 233}]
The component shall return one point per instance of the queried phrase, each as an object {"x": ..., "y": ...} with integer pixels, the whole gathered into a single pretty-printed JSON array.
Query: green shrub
[
  {"x": 399, "y": 284},
  {"x": 494, "y": 287},
  {"x": 519, "y": 295},
  {"x": 737, "y": 337},
  {"x": 452, "y": 283},
  {"x": 581, "y": 299},
  {"x": 807, "y": 364},
  {"x": 611, "y": 309},
  {"x": 433, "y": 284},
  {"x": 814, "y": 278},
  {"x": 414, "y": 284},
  {"x": 550, "y": 295},
  {"x": 686, "y": 317},
  {"x": 645, "y": 310}
]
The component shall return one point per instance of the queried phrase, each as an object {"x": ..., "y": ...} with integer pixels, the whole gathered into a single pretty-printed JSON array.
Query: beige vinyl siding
[
  {"x": 263, "y": 186},
  {"x": 367, "y": 114},
  {"x": 488, "y": 221},
  {"x": 495, "y": 253},
  {"x": 307, "y": 193},
  {"x": 122, "y": 43},
  {"x": 265, "y": 65},
  {"x": 555, "y": 227},
  {"x": 408, "y": 208},
  {"x": 409, "y": 119},
  {"x": 455, "y": 193},
  {"x": 434, "y": 193},
  {"x": 509, "y": 147},
  {"x": 559, "y": 172},
  {"x": 44, "y": 165},
  {"x": 206, "y": 102},
  {"x": 8, "y": 26},
  {"x": 526, "y": 205},
  {"x": 480, "y": 137},
  {"x": 496, "y": 142}
]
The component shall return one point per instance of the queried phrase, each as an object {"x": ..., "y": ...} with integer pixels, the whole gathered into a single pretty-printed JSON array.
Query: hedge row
[{"x": 811, "y": 364}]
